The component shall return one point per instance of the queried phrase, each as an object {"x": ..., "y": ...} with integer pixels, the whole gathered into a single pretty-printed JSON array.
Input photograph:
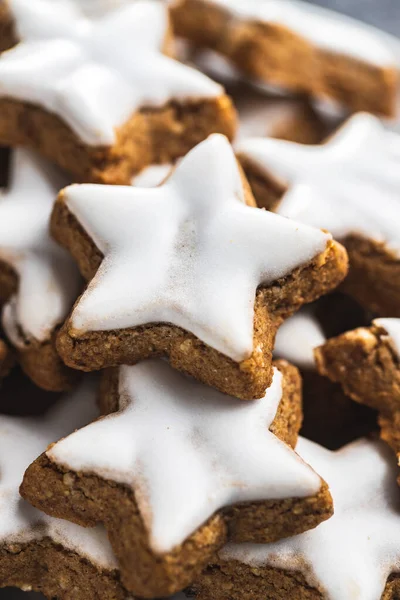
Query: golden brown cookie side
[
  {"x": 275, "y": 54},
  {"x": 87, "y": 499},
  {"x": 8, "y": 281},
  {"x": 42, "y": 364},
  {"x": 303, "y": 126},
  {"x": 233, "y": 580},
  {"x": 374, "y": 276},
  {"x": 151, "y": 136},
  {"x": 366, "y": 366},
  {"x": 226, "y": 579},
  {"x": 8, "y": 34},
  {"x": 56, "y": 572},
  {"x": 359, "y": 85}
]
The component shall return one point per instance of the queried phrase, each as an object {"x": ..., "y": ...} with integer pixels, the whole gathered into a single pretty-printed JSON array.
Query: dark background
[{"x": 381, "y": 13}]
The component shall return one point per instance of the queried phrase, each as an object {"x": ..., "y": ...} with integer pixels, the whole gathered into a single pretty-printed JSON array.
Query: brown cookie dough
[
  {"x": 272, "y": 53},
  {"x": 46, "y": 567},
  {"x": 367, "y": 366},
  {"x": 233, "y": 580},
  {"x": 86, "y": 499}
]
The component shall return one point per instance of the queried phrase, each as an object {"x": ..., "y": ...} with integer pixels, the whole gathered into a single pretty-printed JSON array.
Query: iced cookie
[
  {"x": 178, "y": 469},
  {"x": 350, "y": 186},
  {"x": 38, "y": 280},
  {"x": 330, "y": 417},
  {"x": 74, "y": 90},
  {"x": 355, "y": 555},
  {"x": 283, "y": 43},
  {"x": 189, "y": 271},
  {"x": 38, "y": 552},
  {"x": 366, "y": 363}
]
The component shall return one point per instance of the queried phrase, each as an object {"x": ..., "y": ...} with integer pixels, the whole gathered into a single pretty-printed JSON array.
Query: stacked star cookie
[{"x": 165, "y": 221}]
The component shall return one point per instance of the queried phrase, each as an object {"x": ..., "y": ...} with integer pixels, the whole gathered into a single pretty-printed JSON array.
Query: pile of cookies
[{"x": 180, "y": 179}]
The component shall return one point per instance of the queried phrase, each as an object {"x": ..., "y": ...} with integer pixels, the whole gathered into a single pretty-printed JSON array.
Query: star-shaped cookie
[
  {"x": 292, "y": 46},
  {"x": 350, "y": 186},
  {"x": 39, "y": 280},
  {"x": 168, "y": 475},
  {"x": 31, "y": 542},
  {"x": 365, "y": 362},
  {"x": 80, "y": 79},
  {"x": 349, "y": 557},
  {"x": 175, "y": 270}
]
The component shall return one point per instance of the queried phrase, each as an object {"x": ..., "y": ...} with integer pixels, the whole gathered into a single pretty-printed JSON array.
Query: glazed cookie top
[
  {"x": 80, "y": 68},
  {"x": 352, "y": 554},
  {"x": 174, "y": 441},
  {"x": 297, "y": 337},
  {"x": 341, "y": 36},
  {"x": 349, "y": 185},
  {"x": 190, "y": 252},
  {"x": 21, "y": 441},
  {"x": 48, "y": 279}
]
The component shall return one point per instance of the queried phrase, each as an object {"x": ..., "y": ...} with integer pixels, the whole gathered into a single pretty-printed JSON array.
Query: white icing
[
  {"x": 297, "y": 337},
  {"x": 79, "y": 68},
  {"x": 350, "y": 556},
  {"x": 392, "y": 328},
  {"x": 340, "y": 37},
  {"x": 22, "y": 440},
  {"x": 190, "y": 252},
  {"x": 98, "y": 8},
  {"x": 175, "y": 442},
  {"x": 48, "y": 278},
  {"x": 152, "y": 176},
  {"x": 339, "y": 185}
]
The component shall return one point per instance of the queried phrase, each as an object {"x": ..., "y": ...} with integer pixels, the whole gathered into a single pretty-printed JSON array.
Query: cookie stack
[{"x": 161, "y": 225}]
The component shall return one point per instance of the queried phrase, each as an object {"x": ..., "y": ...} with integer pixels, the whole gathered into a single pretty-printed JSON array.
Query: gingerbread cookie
[
  {"x": 283, "y": 43},
  {"x": 188, "y": 271},
  {"x": 39, "y": 282},
  {"x": 349, "y": 186},
  {"x": 355, "y": 555},
  {"x": 168, "y": 478},
  {"x": 38, "y": 552},
  {"x": 366, "y": 363},
  {"x": 330, "y": 417},
  {"x": 69, "y": 90}
]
